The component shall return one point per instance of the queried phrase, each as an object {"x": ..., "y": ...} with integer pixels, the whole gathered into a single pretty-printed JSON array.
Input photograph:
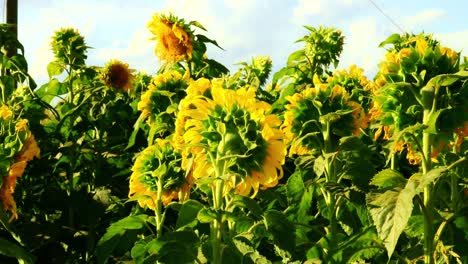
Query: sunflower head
[
  {"x": 158, "y": 164},
  {"x": 159, "y": 103},
  {"x": 309, "y": 112},
  {"x": 69, "y": 47},
  {"x": 173, "y": 38},
  {"x": 230, "y": 135},
  {"x": 323, "y": 46},
  {"x": 117, "y": 75}
]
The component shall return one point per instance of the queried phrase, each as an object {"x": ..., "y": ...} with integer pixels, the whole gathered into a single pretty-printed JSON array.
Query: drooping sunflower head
[
  {"x": 309, "y": 112},
  {"x": 229, "y": 134},
  {"x": 174, "y": 38},
  {"x": 324, "y": 46},
  {"x": 157, "y": 172},
  {"x": 118, "y": 75},
  {"x": 69, "y": 47},
  {"x": 408, "y": 66},
  {"x": 159, "y": 103},
  {"x": 415, "y": 59}
]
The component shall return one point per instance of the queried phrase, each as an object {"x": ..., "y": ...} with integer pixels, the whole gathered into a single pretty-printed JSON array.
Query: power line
[{"x": 387, "y": 16}]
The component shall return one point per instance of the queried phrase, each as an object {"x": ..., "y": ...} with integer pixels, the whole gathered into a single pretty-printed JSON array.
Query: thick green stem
[
  {"x": 159, "y": 218},
  {"x": 333, "y": 228},
  {"x": 428, "y": 221},
  {"x": 216, "y": 230},
  {"x": 332, "y": 203},
  {"x": 217, "y": 225},
  {"x": 71, "y": 188}
]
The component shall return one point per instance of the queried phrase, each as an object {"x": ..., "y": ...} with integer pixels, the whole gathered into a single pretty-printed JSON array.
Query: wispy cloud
[
  {"x": 244, "y": 28},
  {"x": 421, "y": 19}
]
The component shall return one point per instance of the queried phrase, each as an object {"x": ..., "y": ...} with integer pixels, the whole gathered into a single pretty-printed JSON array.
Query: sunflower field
[{"x": 197, "y": 164}]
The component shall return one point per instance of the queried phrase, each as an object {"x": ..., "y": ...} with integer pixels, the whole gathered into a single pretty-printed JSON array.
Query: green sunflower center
[
  {"x": 163, "y": 163},
  {"x": 233, "y": 135}
]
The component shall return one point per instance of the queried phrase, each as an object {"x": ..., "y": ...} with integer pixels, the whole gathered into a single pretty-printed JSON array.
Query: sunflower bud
[
  {"x": 69, "y": 47},
  {"x": 262, "y": 65}
]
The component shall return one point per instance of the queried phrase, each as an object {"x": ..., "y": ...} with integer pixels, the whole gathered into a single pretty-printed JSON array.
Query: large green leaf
[
  {"x": 392, "y": 39},
  {"x": 51, "y": 90},
  {"x": 295, "y": 187},
  {"x": 176, "y": 247},
  {"x": 248, "y": 203},
  {"x": 115, "y": 233},
  {"x": 390, "y": 210},
  {"x": 388, "y": 178},
  {"x": 304, "y": 213},
  {"x": 247, "y": 250},
  {"x": 10, "y": 249},
  {"x": 281, "y": 228},
  {"x": 188, "y": 214},
  {"x": 55, "y": 68}
]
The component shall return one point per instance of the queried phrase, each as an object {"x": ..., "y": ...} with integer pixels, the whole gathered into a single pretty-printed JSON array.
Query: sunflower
[
  {"x": 29, "y": 151},
  {"x": 158, "y": 164},
  {"x": 396, "y": 102},
  {"x": 173, "y": 37},
  {"x": 69, "y": 47},
  {"x": 160, "y": 101},
  {"x": 309, "y": 112},
  {"x": 116, "y": 74},
  {"x": 229, "y": 134}
]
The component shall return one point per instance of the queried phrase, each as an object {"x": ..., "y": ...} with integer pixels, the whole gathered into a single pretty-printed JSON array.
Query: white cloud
[
  {"x": 457, "y": 41},
  {"x": 421, "y": 19},
  {"x": 305, "y": 8},
  {"x": 361, "y": 45}
]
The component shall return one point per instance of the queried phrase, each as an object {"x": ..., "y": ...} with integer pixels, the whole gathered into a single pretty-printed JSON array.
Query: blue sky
[{"x": 244, "y": 28}]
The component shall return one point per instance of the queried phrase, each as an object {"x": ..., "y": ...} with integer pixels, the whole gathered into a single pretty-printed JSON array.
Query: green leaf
[
  {"x": 281, "y": 228},
  {"x": 55, "y": 68},
  {"x": 50, "y": 90},
  {"x": 295, "y": 56},
  {"x": 303, "y": 212},
  {"x": 320, "y": 164},
  {"x": 361, "y": 246},
  {"x": 415, "y": 227},
  {"x": 206, "y": 215},
  {"x": 188, "y": 214},
  {"x": 177, "y": 247},
  {"x": 358, "y": 161},
  {"x": 115, "y": 233},
  {"x": 197, "y": 24},
  {"x": 390, "y": 211},
  {"x": 205, "y": 39},
  {"x": 249, "y": 203},
  {"x": 388, "y": 178},
  {"x": 428, "y": 178},
  {"x": 7, "y": 85},
  {"x": 10, "y": 249},
  {"x": 279, "y": 104},
  {"x": 444, "y": 79},
  {"x": 392, "y": 39},
  {"x": 432, "y": 122},
  {"x": 247, "y": 250},
  {"x": 295, "y": 187},
  {"x": 281, "y": 73}
]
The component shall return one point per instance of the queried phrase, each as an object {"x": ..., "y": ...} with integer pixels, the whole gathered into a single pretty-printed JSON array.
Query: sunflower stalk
[
  {"x": 330, "y": 178},
  {"x": 426, "y": 167},
  {"x": 216, "y": 230},
  {"x": 159, "y": 217}
]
